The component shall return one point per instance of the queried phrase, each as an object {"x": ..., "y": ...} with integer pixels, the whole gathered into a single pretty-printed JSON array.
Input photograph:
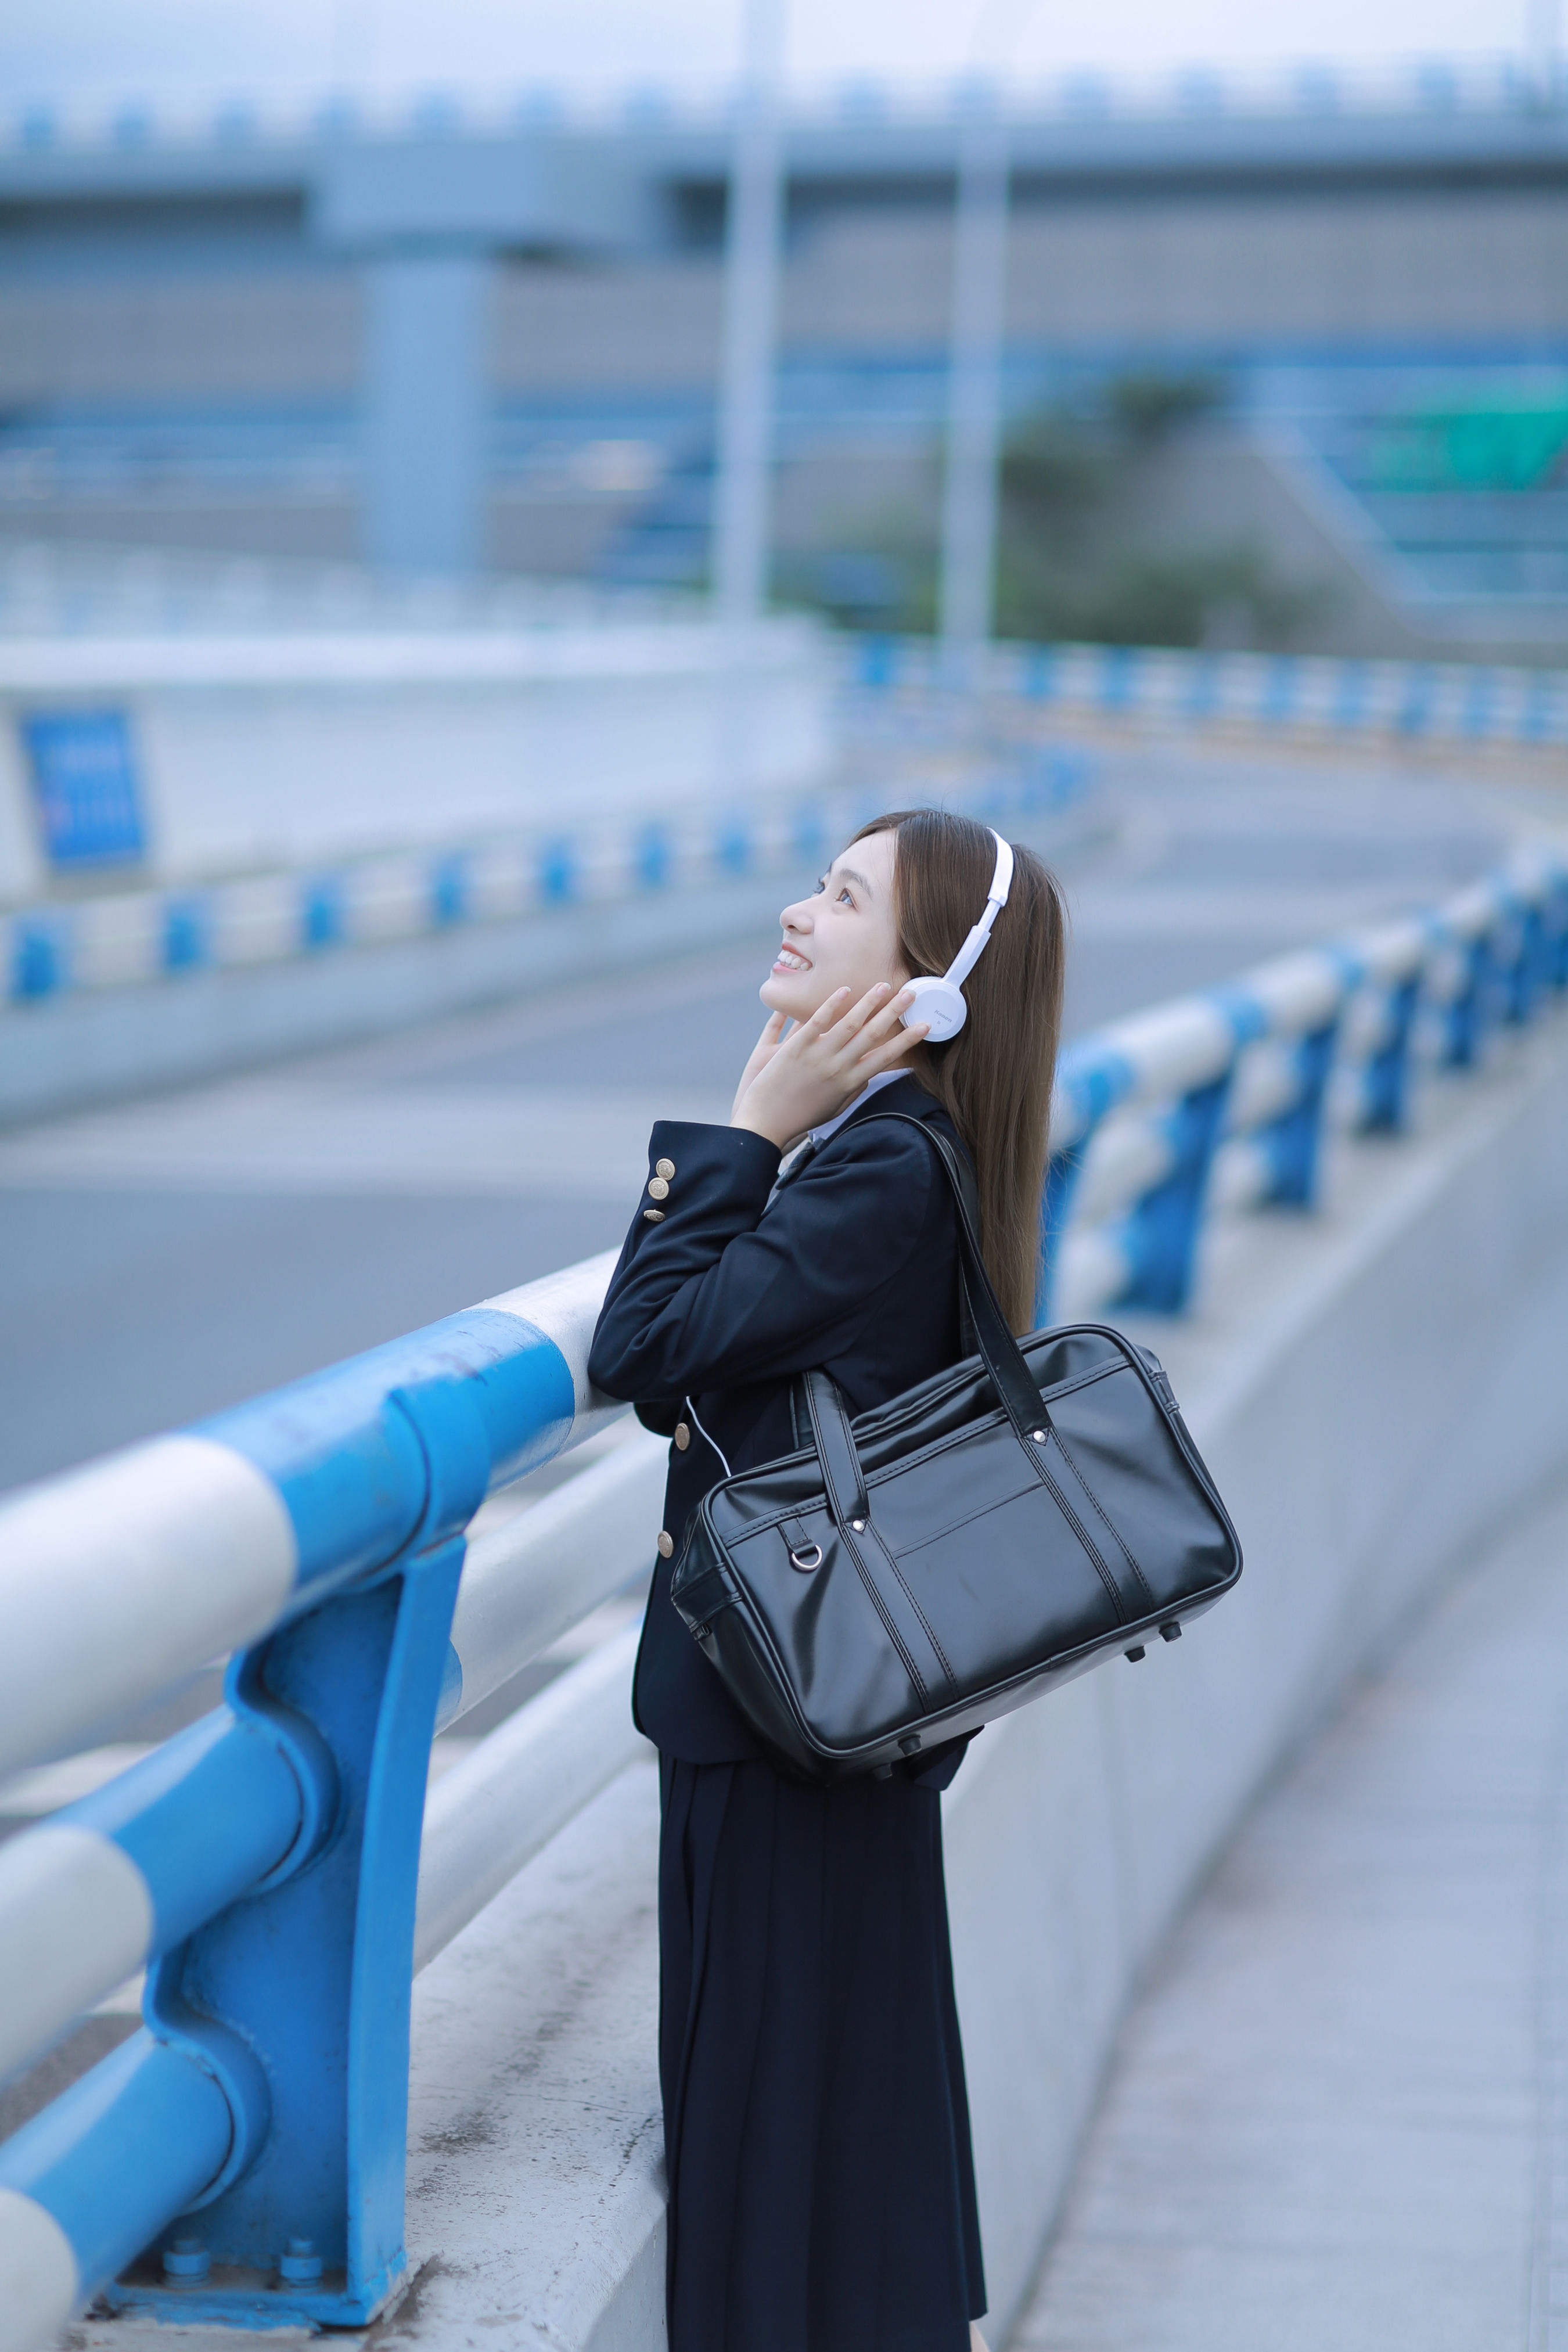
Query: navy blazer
[{"x": 726, "y": 1288}]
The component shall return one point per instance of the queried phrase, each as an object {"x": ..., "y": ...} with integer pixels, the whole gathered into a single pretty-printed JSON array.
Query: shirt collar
[{"x": 820, "y": 1135}]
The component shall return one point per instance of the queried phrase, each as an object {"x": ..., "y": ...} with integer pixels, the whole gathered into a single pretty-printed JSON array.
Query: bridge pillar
[{"x": 427, "y": 420}]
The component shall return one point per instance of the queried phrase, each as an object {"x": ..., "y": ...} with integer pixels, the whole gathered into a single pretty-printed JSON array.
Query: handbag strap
[
  {"x": 995, "y": 1344},
  {"x": 843, "y": 1478}
]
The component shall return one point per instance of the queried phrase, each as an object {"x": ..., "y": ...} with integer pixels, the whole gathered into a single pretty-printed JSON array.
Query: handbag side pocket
[{"x": 700, "y": 1590}]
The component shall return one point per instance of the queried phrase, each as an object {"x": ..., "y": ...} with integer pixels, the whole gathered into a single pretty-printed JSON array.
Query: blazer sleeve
[{"x": 725, "y": 1289}]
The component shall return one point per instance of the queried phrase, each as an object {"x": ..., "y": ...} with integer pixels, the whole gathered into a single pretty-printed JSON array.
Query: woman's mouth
[{"x": 786, "y": 959}]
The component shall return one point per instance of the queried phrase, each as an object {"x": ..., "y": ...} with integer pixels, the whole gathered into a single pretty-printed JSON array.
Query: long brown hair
[{"x": 993, "y": 1079}]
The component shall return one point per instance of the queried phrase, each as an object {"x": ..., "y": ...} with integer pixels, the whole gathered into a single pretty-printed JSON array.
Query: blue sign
[{"x": 84, "y": 781}]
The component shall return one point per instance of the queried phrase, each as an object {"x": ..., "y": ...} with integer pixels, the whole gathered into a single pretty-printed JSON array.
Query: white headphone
[{"x": 940, "y": 1003}]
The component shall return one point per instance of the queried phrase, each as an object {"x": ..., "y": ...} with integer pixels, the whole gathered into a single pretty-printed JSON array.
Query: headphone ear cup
[{"x": 940, "y": 1003}]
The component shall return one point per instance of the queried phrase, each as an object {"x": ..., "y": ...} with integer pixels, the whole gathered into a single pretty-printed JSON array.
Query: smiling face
[{"x": 845, "y": 935}]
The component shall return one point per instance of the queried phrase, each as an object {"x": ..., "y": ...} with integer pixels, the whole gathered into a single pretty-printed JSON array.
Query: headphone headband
[
  {"x": 940, "y": 1003},
  {"x": 969, "y": 954}
]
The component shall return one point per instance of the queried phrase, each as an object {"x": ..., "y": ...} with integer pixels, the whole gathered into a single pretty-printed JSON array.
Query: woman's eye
[{"x": 846, "y": 895}]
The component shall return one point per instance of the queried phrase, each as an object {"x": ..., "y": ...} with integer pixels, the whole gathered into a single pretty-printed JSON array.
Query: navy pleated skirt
[{"x": 817, "y": 2126}]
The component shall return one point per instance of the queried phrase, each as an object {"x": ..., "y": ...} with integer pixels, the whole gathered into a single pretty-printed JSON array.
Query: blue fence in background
[
  {"x": 1430, "y": 702},
  {"x": 138, "y": 936},
  {"x": 1222, "y": 1101},
  {"x": 241, "y": 2157},
  {"x": 135, "y": 936}
]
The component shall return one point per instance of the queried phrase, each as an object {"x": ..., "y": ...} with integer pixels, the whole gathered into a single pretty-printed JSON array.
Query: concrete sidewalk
[{"x": 1338, "y": 2117}]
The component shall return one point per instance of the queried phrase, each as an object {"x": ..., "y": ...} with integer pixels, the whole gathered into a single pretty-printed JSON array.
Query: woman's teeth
[{"x": 786, "y": 959}]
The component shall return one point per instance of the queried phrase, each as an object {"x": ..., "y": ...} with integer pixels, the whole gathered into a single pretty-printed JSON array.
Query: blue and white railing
[
  {"x": 59, "y": 947},
  {"x": 1285, "y": 694},
  {"x": 277, "y": 1868},
  {"x": 134, "y": 937},
  {"x": 124, "y": 122},
  {"x": 266, "y": 1864},
  {"x": 1222, "y": 1101}
]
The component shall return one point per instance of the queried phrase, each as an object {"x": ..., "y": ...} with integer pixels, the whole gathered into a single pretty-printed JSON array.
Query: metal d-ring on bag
[{"x": 913, "y": 1573}]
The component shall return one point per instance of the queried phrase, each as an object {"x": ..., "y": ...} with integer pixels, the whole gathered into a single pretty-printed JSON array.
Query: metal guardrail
[
  {"x": 1221, "y": 1100},
  {"x": 125, "y": 123},
  {"x": 133, "y": 937},
  {"x": 1434, "y": 702},
  {"x": 240, "y": 2157}
]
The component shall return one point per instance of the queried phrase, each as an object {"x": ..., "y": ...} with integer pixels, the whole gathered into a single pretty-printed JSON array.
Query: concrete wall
[
  {"x": 1373, "y": 1397},
  {"x": 1124, "y": 268},
  {"x": 1374, "y": 1388},
  {"x": 169, "y": 333},
  {"x": 272, "y": 752}
]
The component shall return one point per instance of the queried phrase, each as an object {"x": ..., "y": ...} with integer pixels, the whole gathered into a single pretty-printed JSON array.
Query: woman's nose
[{"x": 796, "y": 918}]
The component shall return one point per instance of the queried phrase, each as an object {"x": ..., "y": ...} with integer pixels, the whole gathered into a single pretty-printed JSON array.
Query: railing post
[
  {"x": 1554, "y": 930},
  {"x": 1385, "y": 1082},
  {"x": 273, "y": 2072},
  {"x": 1161, "y": 1233},
  {"x": 313, "y": 2226},
  {"x": 1524, "y": 970},
  {"x": 1465, "y": 1014},
  {"x": 1159, "y": 1236},
  {"x": 1292, "y": 1142}
]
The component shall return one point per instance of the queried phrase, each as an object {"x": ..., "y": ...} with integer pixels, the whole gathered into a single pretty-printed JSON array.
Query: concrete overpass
[{"x": 445, "y": 338}]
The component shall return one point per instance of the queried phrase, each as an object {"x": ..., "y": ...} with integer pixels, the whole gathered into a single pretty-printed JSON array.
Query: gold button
[
  {"x": 653, "y": 1216},
  {"x": 664, "y": 1167},
  {"x": 682, "y": 1437},
  {"x": 658, "y": 1188},
  {"x": 666, "y": 1543}
]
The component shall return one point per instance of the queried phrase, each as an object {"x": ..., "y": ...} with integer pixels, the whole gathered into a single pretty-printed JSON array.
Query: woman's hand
[
  {"x": 797, "y": 1082},
  {"x": 761, "y": 1053}
]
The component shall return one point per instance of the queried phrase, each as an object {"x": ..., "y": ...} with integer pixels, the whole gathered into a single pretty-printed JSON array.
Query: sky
[{"x": 170, "y": 51}]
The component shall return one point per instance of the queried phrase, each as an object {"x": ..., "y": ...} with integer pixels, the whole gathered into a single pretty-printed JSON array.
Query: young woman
[{"x": 817, "y": 2131}]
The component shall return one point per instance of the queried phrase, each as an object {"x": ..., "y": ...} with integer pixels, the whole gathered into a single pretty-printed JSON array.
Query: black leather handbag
[{"x": 907, "y": 1576}]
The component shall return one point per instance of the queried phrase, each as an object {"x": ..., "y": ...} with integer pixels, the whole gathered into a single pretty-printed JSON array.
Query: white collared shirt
[{"x": 820, "y": 1135}]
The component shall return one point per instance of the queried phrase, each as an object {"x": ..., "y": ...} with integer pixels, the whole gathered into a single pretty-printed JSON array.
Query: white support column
[
  {"x": 974, "y": 391},
  {"x": 426, "y": 412},
  {"x": 742, "y": 500}
]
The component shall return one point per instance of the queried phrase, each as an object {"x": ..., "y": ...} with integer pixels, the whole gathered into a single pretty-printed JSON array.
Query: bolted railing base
[{"x": 314, "y": 1973}]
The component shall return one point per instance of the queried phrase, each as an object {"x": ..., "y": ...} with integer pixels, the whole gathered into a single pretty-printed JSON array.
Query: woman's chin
[{"x": 782, "y": 992}]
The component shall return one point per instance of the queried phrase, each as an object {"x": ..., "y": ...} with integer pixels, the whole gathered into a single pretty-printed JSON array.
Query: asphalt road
[{"x": 164, "y": 1258}]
